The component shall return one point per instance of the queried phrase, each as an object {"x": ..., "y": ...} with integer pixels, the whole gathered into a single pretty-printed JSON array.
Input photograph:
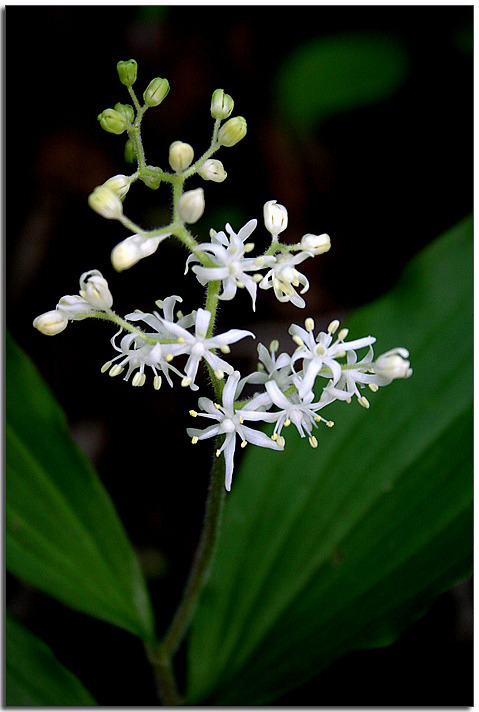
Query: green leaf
[
  {"x": 63, "y": 534},
  {"x": 34, "y": 677},
  {"x": 326, "y": 551},
  {"x": 339, "y": 73}
]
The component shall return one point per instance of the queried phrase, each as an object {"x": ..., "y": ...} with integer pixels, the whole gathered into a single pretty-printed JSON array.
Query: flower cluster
[{"x": 293, "y": 388}]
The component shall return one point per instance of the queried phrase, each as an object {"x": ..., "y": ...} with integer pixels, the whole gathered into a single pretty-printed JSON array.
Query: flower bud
[
  {"x": 156, "y": 91},
  {"x": 119, "y": 184},
  {"x": 191, "y": 205},
  {"x": 152, "y": 182},
  {"x": 212, "y": 170},
  {"x": 94, "y": 289},
  {"x": 112, "y": 121},
  {"x": 130, "y": 153},
  {"x": 126, "y": 110},
  {"x": 232, "y": 131},
  {"x": 74, "y": 307},
  {"x": 275, "y": 217},
  {"x": 128, "y": 252},
  {"x": 51, "y": 323},
  {"x": 181, "y": 156},
  {"x": 317, "y": 244},
  {"x": 221, "y": 105},
  {"x": 127, "y": 72},
  {"x": 393, "y": 364},
  {"x": 106, "y": 202}
]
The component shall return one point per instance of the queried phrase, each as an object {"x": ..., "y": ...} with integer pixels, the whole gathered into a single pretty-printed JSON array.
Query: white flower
[
  {"x": 275, "y": 217},
  {"x": 51, "y": 323},
  {"x": 231, "y": 265},
  {"x": 213, "y": 170},
  {"x": 283, "y": 277},
  {"x": 198, "y": 346},
  {"x": 191, "y": 205},
  {"x": 230, "y": 422},
  {"x": 302, "y": 412},
  {"x": 271, "y": 367},
  {"x": 134, "y": 248},
  {"x": 74, "y": 307},
  {"x": 353, "y": 373},
  {"x": 392, "y": 364},
  {"x": 322, "y": 352},
  {"x": 317, "y": 244},
  {"x": 136, "y": 353},
  {"x": 94, "y": 289}
]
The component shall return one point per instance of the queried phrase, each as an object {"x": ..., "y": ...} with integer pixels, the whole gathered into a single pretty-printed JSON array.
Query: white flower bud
[
  {"x": 212, "y": 170},
  {"x": 119, "y": 184},
  {"x": 181, "y": 156},
  {"x": 191, "y": 205},
  {"x": 275, "y": 217},
  {"x": 94, "y": 289},
  {"x": 130, "y": 251},
  {"x": 50, "y": 323},
  {"x": 317, "y": 244},
  {"x": 74, "y": 307},
  {"x": 106, "y": 202},
  {"x": 393, "y": 364},
  {"x": 221, "y": 104}
]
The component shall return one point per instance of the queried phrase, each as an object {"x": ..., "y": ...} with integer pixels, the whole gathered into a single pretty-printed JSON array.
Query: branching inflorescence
[{"x": 168, "y": 345}]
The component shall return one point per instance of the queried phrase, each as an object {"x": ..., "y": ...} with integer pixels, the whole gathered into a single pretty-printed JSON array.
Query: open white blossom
[
  {"x": 231, "y": 267},
  {"x": 230, "y": 423},
  {"x": 284, "y": 277}
]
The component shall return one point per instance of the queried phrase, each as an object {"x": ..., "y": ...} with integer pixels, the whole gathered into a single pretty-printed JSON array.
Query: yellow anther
[
  {"x": 249, "y": 246},
  {"x": 219, "y": 374},
  {"x": 105, "y": 366},
  {"x": 274, "y": 346},
  {"x": 194, "y": 439},
  {"x": 333, "y": 327},
  {"x": 138, "y": 379},
  {"x": 217, "y": 406},
  {"x": 298, "y": 340},
  {"x": 244, "y": 443},
  {"x": 287, "y": 423},
  {"x": 274, "y": 436},
  {"x": 373, "y": 387},
  {"x": 343, "y": 334},
  {"x": 181, "y": 340},
  {"x": 169, "y": 358},
  {"x": 186, "y": 381},
  {"x": 241, "y": 419},
  {"x": 225, "y": 349},
  {"x": 330, "y": 423},
  {"x": 218, "y": 453},
  {"x": 281, "y": 441},
  {"x": 157, "y": 383},
  {"x": 193, "y": 413},
  {"x": 159, "y": 303},
  {"x": 116, "y": 370},
  {"x": 309, "y": 324},
  {"x": 313, "y": 442},
  {"x": 362, "y": 400}
]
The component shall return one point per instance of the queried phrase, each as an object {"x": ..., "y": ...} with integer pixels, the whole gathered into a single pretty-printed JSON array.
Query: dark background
[{"x": 382, "y": 180}]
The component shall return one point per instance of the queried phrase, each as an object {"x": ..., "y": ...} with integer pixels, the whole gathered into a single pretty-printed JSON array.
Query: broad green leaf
[
  {"x": 329, "y": 75},
  {"x": 326, "y": 551},
  {"x": 34, "y": 677},
  {"x": 63, "y": 535}
]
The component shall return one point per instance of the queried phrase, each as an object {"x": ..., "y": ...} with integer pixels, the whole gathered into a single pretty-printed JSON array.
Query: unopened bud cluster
[{"x": 289, "y": 388}]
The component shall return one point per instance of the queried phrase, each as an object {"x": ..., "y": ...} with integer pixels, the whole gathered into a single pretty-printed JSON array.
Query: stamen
[
  {"x": 274, "y": 346},
  {"x": 157, "y": 383},
  {"x": 138, "y": 379},
  {"x": 343, "y": 334},
  {"x": 281, "y": 441},
  {"x": 186, "y": 381},
  {"x": 362, "y": 400},
  {"x": 219, "y": 374},
  {"x": 309, "y": 324},
  {"x": 274, "y": 436},
  {"x": 373, "y": 387},
  {"x": 225, "y": 349},
  {"x": 330, "y": 423},
  {"x": 116, "y": 370},
  {"x": 244, "y": 443},
  {"x": 249, "y": 246},
  {"x": 169, "y": 358},
  {"x": 181, "y": 340},
  {"x": 159, "y": 303},
  {"x": 313, "y": 442},
  {"x": 298, "y": 340},
  {"x": 287, "y": 423},
  {"x": 105, "y": 366},
  {"x": 333, "y": 327},
  {"x": 193, "y": 413},
  {"x": 194, "y": 439}
]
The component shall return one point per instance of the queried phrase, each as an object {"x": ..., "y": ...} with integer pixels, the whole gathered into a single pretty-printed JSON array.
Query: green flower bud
[
  {"x": 152, "y": 182},
  {"x": 130, "y": 153},
  {"x": 127, "y": 72},
  {"x": 126, "y": 110},
  {"x": 221, "y": 104},
  {"x": 232, "y": 131},
  {"x": 156, "y": 91},
  {"x": 112, "y": 121}
]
